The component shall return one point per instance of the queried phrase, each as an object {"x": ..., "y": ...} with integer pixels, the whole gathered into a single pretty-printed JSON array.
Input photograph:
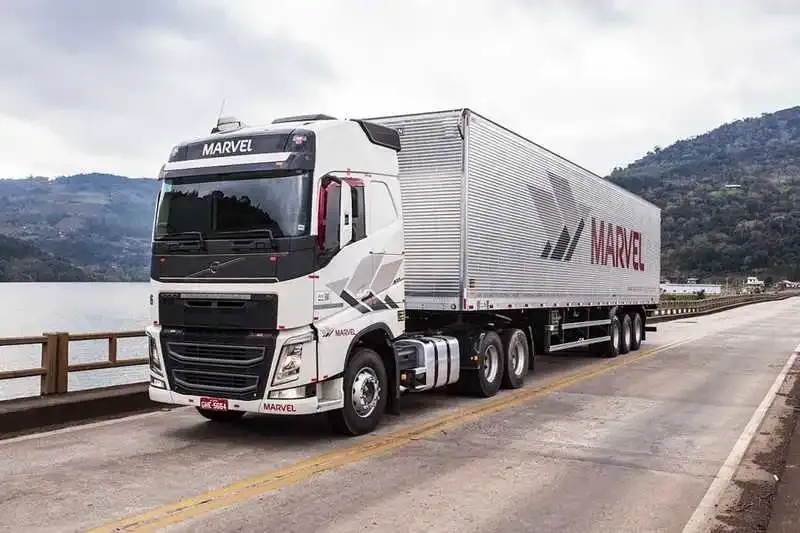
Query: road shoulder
[{"x": 759, "y": 497}]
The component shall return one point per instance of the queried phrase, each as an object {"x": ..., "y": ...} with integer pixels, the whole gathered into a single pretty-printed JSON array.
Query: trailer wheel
[
  {"x": 626, "y": 335},
  {"x": 485, "y": 381},
  {"x": 638, "y": 331},
  {"x": 613, "y": 345},
  {"x": 221, "y": 416},
  {"x": 515, "y": 344},
  {"x": 366, "y": 390}
]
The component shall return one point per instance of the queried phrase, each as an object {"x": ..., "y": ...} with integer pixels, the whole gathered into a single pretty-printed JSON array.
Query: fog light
[
  {"x": 296, "y": 393},
  {"x": 157, "y": 383}
]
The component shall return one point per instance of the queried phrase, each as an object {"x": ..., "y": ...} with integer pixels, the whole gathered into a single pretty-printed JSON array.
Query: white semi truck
[{"x": 324, "y": 265}]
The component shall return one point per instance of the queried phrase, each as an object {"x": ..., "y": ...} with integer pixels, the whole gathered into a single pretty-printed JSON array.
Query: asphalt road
[{"x": 630, "y": 444}]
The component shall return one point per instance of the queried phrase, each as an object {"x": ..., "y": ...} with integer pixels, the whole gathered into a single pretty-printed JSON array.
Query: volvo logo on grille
[{"x": 215, "y": 267}]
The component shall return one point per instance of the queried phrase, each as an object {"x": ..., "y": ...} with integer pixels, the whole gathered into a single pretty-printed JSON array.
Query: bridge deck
[{"x": 630, "y": 444}]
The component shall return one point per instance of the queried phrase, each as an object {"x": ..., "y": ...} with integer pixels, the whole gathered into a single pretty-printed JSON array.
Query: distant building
[{"x": 753, "y": 285}]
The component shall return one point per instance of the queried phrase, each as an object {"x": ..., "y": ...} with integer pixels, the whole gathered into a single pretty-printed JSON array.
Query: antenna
[{"x": 221, "y": 109}]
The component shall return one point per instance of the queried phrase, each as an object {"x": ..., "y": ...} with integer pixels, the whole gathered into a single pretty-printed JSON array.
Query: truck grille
[
  {"x": 223, "y": 364},
  {"x": 216, "y": 354}
]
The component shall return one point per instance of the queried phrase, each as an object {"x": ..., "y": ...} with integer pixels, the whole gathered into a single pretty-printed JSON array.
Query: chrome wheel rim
[
  {"x": 517, "y": 355},
  {"x": 638, "y": 328},
  {"x": 615, "y": 336},
  {"x": 366, "y": 392},
  {"x": 628, "y": 335},
  {"x": 491, "y": 363}
]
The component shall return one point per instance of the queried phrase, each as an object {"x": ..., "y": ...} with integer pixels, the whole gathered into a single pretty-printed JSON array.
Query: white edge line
[
  {"x": 698, "y": 520},
  {"x": 78, "y": 427}
]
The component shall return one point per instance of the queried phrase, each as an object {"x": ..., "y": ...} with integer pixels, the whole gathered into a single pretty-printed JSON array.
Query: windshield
[{"x": 231, "y": 204}]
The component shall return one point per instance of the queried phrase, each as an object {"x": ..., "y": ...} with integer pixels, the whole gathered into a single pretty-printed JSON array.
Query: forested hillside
[
  {"x": 21, "y": 261},
  {"x": 99, "y": 222},
  {"x": 730, "y": 198}
]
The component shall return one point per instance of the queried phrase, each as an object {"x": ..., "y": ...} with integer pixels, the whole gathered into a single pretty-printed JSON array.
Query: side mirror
[{"x": 345, "y": 214}]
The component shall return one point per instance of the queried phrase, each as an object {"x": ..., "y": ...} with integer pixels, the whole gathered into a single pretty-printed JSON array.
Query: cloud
[
  {"x": 111, "y": 86},
  {"x": 124, "y": 81}
]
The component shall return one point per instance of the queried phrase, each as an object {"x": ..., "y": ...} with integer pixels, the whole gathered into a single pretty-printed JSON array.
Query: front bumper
[
  {"x": 305, "y": 406},
  {"x": 190, "y": 376}
]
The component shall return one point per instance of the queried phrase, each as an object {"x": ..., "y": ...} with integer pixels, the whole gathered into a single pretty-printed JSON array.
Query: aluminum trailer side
[{"x": 496, "y": 223}]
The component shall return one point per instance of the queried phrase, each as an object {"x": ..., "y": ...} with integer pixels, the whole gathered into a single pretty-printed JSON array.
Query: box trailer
[
  {"x": 495, "y": 221},
  {"x": 324, "y": 265}
]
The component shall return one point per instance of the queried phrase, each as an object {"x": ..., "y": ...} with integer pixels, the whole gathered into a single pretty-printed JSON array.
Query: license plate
[{"x": 214, "y": 404}]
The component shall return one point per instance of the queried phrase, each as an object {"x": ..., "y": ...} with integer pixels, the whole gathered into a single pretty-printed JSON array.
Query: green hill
[
  {"x": 98, "y": 221},
  {"x": 730, "y": 198},
  {"x": 21, "y": 261}
]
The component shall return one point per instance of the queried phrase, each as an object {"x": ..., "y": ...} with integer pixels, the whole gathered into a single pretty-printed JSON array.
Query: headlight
[
  {"x": 155, "y": 363},
  {"x": 291, "y": 359}
]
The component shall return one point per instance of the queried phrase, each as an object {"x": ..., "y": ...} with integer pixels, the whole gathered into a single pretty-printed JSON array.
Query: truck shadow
[{"x": 307, "y": 430}]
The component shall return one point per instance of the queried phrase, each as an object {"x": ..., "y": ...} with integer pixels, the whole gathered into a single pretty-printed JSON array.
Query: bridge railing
[
  {"x": 55, "y": 364},
  {"x": 688, "y": 306}
]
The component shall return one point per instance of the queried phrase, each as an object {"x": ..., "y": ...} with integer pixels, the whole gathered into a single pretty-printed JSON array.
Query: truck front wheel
[{"x": 365, "y": 394}]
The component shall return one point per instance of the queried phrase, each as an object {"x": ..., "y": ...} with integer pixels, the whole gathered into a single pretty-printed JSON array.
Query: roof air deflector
[{"x": 380, "y": 135}]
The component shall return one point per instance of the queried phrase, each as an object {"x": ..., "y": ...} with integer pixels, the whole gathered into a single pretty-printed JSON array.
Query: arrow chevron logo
[{"x": 559, "y": 203}]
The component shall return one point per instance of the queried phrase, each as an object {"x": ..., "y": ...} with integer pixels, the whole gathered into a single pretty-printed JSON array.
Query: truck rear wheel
[
  {"x": 365, "y": 393},
  {"x": 485, "y": 381},
  {"x": 626, "y": 336},
  {"x": 515, "y": 344},
  {"x": 221, "y": 416},
  {"x": 612, "y": 346},
  {"x": 638, "y": 331}
]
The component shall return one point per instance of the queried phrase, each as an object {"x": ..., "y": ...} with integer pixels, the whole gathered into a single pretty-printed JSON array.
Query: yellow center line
[{"x": 261, "y": 484}]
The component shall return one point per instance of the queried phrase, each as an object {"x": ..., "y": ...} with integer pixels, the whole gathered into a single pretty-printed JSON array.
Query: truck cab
[{"x": 277, "y": 250}]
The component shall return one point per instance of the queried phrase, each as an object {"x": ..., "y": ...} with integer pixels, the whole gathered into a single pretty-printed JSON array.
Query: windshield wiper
[
  {"x": 266, "y": 231},
  {"x": 250, "y": 244}
]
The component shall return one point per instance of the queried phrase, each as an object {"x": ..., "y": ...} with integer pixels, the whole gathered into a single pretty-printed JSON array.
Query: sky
[{"x": 98, "y": 86}]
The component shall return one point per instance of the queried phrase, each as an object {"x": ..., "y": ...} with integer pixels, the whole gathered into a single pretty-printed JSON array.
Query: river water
[{"x": 33, "y": 308}]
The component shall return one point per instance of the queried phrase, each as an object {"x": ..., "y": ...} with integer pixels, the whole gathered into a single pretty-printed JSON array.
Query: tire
[
  {"x": 485, "y": 381},
  {"x": 515, "y": 346},
  {"x": 612, "y": 346},
  {"x": 362, "y": 413},
  {"x": 626, "y": 334},
  {"x": 638, "y": 331},
  {"x": 221, "y": 416}
]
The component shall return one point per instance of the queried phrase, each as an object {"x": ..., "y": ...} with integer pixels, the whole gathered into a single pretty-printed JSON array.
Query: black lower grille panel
[{"x": 223, "y": 364}]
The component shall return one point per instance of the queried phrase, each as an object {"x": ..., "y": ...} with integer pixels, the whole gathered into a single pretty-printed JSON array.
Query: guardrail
[
  {"x": 55, "y": 366},
  {"x": 680, "y": 307}
]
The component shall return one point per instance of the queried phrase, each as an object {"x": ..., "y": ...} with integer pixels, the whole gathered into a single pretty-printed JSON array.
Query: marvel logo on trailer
[{"x": 616, "y": 246}]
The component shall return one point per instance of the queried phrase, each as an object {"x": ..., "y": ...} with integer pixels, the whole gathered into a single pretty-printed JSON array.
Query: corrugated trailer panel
[
  {"x": 431, "y": 181},
  {"x": 530, "y": 229}
]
